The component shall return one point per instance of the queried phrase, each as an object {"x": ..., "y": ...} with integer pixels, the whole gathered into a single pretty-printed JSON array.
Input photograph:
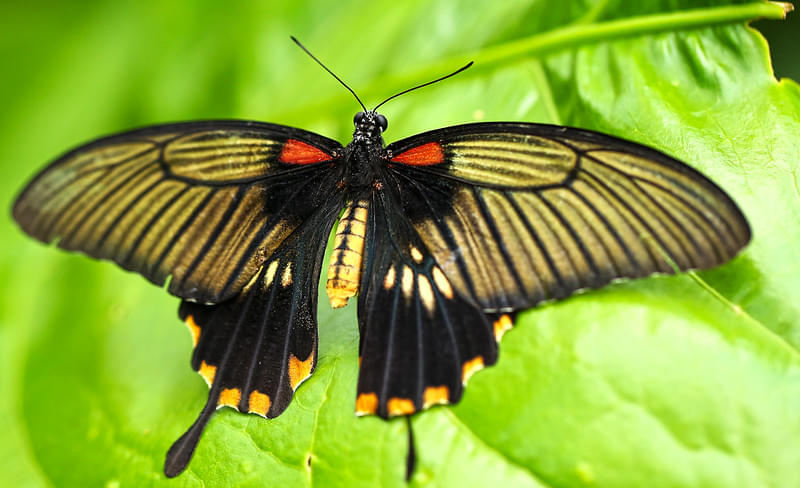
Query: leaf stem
[
  {"x": 577, "y": 34},
  {"x": 569, "y": 36}
]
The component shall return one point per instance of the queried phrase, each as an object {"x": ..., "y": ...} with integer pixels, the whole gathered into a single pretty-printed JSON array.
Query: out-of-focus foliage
[{"x": 691, "y": 380}]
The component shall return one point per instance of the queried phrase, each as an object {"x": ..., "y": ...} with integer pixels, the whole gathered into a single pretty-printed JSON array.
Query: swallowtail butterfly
[{"x": 443, "y": 236}]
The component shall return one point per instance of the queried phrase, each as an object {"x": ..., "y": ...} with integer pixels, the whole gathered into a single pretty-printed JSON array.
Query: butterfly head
[{"x": 369, "y": 126}]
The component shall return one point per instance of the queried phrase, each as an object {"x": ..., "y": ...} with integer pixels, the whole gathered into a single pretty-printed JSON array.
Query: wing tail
[{"x": 256, "y": 349}]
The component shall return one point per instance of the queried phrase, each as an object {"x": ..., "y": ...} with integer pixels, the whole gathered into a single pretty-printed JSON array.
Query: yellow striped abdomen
[{"x": 344, "y": 271}]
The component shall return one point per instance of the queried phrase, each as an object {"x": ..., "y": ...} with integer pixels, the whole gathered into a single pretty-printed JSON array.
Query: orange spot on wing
[
  {"x": 424, "y": 155},
  {"x": 208, "y": 372},
  {"x": 258, "y": 403},
  {"x": 296, "y": 152},
  {"x": 299, "y": 370},
  {"x": 501, "y": 326},
  {"x": 230, "y": 397},
  {"x": 470, "y": 367},
  {"x": 366, "y": 404},
  {"x": 194, "y": 329},
  {"x": 400, "y": 406},
  {"x": 434, "y": 395}
]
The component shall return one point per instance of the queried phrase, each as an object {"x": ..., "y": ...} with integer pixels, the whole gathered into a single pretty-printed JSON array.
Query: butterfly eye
[
  {"x": 382, "y": 122},
  {"x": 358, "y": 118}
]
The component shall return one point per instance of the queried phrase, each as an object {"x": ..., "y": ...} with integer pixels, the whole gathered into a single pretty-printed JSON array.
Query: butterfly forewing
[
  {"x": 519, "y": 213},
  {"x": 203, "y": 203}
]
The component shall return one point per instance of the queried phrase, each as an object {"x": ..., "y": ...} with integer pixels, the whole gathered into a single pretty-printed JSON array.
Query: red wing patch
[
  {"x": 424, "y": 155},
  {"x": 298, "y": 152}
]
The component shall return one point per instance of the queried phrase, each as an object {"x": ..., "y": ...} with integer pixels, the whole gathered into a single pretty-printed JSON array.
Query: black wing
[
  {"x": 256, "y": 349},
  {"x": 476, "y": 221},
  {"x": 519, "y": 213},
  {"x": 204, "y": 203},
  {"x": 420, "y": 340}
]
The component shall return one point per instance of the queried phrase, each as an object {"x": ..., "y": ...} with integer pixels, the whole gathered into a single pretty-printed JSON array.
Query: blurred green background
[
  {"x": 784, "y": 41},
  {"x": 659, "y": 382}
]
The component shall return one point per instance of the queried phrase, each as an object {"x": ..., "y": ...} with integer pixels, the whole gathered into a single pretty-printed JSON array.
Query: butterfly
[{"x": 442, "y": 236}]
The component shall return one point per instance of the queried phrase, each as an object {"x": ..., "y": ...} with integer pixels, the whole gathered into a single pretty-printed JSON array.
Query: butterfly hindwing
[
  {"x": 420, "y": 340},
  {"x": 254, "y": 350},
  {"x": 203, "y": 203},
  {"x": 520, "y": 213}
]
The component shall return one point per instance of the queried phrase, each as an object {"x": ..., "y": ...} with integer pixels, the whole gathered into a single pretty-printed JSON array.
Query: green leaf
[{"x": 690, "y": 380}]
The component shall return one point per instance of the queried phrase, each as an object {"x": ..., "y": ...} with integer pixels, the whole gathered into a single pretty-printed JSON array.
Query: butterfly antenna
[
  {"x": 329, "y": 71},
  {"x": 459, "y": 70}
]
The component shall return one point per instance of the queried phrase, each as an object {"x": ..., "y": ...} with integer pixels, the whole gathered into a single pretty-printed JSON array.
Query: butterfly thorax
[
  {"x": 365, "y": 153},
  {"x": 363, "y": 159}
]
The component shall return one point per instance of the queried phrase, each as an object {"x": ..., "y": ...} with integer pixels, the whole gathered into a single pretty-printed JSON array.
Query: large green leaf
[{"x": 690, "y": 380}]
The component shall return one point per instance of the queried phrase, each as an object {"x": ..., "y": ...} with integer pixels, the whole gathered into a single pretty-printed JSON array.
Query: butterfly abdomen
[{"x": 344, "y": 271}]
